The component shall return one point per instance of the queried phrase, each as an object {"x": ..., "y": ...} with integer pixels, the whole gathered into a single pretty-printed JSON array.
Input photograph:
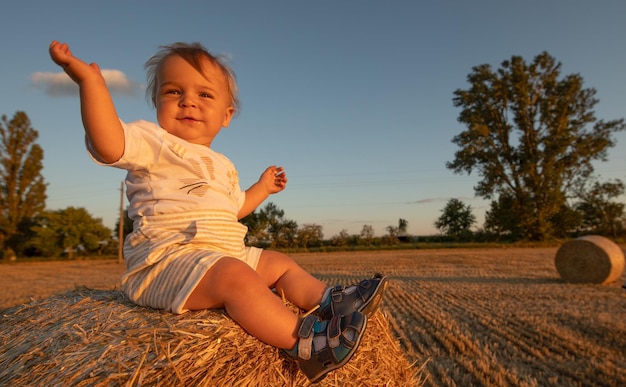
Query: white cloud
[
  {"x": 59, "y": 84},
  {"x": 440, "y": 199}
]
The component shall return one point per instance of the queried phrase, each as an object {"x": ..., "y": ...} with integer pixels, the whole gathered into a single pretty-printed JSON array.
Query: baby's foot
[
  {"x": 364, "y": 297},
  {"x": 324, "y": 346}
]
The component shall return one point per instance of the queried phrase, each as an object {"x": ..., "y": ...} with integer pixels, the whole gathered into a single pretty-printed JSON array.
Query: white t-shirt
[{"x": 168, "y": 175}]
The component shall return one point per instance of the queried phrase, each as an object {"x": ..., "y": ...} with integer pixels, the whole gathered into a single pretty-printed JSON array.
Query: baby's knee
[
  {"x": 276, "y": 259},
  {"x": 227, "y": 276},
  {"x": 229, "y": 266}
]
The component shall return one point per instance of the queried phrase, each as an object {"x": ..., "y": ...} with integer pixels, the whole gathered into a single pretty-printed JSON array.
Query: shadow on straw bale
[{"x": 98, "y": 338}]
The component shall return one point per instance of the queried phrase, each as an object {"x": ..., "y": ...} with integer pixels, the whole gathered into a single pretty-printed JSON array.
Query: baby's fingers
[{"x": 59, "y": 52}]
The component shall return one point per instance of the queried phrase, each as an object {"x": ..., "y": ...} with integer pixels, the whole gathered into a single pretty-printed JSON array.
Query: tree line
[
  {"x": 531, "y": 135},
  {"x": 268, "y": 227}
]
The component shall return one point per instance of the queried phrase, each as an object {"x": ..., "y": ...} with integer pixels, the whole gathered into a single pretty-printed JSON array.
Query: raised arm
[{"x": 102, "y": 125}]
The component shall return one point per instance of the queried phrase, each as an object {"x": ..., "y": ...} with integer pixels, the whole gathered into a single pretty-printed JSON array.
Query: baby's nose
[{"x": 187, "y": 100}]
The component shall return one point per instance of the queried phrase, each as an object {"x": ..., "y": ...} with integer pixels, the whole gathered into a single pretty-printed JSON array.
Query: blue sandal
[
  {"x": 364, "y": 297},
  {"x": 324, "y": 346}
]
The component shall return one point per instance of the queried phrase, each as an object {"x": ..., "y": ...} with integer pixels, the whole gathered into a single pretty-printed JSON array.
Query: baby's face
[{"x": 192, "y": 105}]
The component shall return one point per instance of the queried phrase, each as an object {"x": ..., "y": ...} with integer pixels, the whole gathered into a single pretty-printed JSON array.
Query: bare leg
[
  {"x": 281, "y": 272},
  {"x": 234, "y": 285}
]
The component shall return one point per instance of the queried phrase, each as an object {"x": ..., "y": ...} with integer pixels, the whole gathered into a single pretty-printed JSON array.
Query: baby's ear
[{"x": 228, "y": 115}]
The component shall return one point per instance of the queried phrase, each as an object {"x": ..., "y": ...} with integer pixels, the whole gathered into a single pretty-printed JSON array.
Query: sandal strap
[
  {"x": 305, "y": 334},
  {"x": 333, "y": 332}
]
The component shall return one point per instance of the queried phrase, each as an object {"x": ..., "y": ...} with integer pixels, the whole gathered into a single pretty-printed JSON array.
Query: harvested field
[{"x": 474, "y": 316}]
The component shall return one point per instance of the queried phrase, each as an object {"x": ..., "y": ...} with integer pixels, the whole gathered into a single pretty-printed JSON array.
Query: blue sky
[{"x": 353, "y": 98}]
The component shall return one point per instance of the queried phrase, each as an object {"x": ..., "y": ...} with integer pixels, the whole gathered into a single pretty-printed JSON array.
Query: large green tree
[
  {"x": 531, "y": 135},
  {"x": 66, "y": 231},
  {"x": 22, "y": 186}
]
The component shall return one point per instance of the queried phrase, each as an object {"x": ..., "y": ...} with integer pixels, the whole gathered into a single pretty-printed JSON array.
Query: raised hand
[{"x": 77, "y": 69}]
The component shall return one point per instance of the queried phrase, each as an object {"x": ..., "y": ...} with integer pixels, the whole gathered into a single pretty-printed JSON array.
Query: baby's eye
[
  {"x": 172, "y": 91},
  {"x": 206, "y": 95}
]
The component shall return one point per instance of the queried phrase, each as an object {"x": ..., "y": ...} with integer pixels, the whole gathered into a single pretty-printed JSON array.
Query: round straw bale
[
  {"x": 590, "y": 259},
  {"x": 98, "y": 338}
]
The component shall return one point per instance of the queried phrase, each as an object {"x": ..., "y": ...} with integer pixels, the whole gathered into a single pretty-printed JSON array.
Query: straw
[
  {"x": 590, "y": 259},
  {"x": 90, "y": 337}
]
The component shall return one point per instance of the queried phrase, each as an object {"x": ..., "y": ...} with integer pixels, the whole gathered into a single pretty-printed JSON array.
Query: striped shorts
[{"x": 167, "y": 255}]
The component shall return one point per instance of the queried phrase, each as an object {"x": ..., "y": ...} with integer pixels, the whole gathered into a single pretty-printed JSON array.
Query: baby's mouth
[{"x": 188, "y": 119}]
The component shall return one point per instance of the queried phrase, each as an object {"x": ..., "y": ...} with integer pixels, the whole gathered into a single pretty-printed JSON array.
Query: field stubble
[{"x": 468, "y": 316}]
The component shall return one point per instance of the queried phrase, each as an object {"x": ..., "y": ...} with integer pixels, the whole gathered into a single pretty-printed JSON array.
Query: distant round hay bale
[
  {"x": 590, "y": 259},
  {"x": 98, "y": 338}
]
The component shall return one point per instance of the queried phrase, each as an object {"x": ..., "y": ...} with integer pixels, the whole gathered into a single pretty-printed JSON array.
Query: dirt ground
[
  {"x": 23, "y": 281},
  {"x": 468, "y": 316}
]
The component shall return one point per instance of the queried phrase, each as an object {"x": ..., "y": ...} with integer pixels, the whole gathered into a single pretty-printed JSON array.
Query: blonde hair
[{"x": 192, "y": 53}]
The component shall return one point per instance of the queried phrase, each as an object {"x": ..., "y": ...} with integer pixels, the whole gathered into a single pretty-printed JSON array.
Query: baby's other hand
[{"x": 274, "y": 179}]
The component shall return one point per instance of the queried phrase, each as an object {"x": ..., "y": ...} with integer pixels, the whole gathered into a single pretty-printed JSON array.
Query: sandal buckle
[{"x": 336, "y": 295}]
